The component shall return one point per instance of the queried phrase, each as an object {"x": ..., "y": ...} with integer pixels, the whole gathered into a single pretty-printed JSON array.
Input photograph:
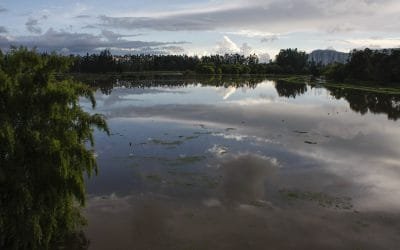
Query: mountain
[{"x": 328, "y": 56}]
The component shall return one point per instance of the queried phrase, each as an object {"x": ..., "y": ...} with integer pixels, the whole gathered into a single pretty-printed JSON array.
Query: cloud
[
  {"x": 112, "y": 36},
  {"x": 264, "y": 57},
  {"x": 372, "y": 42},
  {"x": 155, "y": 50},
  {"x": 269, "y": 15},
  {"x": 174, "y": 49},
  {"x": 63, "y": 41},
  {"x": 227, "y": 46},
  {"x": 376, "y": 43},
  {"x": 2, "y": 9},
  {"x": 342, "y": 28},
  {"x": 244, "y": 177},
  {"x": 32, "y": 25},
  {"x": 246, "y": 50},
  {"x": 265, "y": 36},
  {"x": 89, "y": 26},
  {"x": 3, "y": 29},
  {"x": 252, "y": 16},
  {"x": 82, "y": 16},
  {"x": 269, "y": 38}
]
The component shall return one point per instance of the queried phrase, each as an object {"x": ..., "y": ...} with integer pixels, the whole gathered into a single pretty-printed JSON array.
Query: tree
[
  {"x": 359, "y": 65},
  {"x": 379, "y": 66},
  {"x": 336, "y": 72},
  {"x": 292, "y": 61},
  {"x": 205, "y": 69},
  {"x": 43, "y": 151}
]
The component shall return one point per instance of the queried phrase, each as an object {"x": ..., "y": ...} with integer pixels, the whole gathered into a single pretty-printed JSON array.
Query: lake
[{"x": 244, "y": 164}]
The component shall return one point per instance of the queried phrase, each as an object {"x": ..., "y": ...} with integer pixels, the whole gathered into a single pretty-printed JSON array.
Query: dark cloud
[
  {"x": 3, "y": 29},
  {"x": 248, "y": 16},
  {"x": 2, "y": 9},
  {"x": 82, "y": 16},
  {"x": 340, "y": 29},
  {"x": 32, "y": 25},
  {"x": 53, "y": 40},
  {"x": 89, "y": 26},
  {"x": 112, "y": 36},
  {"x": 269, "y": 15},
  {"x": 270, "y": 38}
]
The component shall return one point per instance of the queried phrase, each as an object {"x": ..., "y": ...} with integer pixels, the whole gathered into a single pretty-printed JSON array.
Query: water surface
[{"x": 244, "y": 164}]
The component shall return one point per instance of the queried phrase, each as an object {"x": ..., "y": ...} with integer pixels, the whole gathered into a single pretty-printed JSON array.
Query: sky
[{"x": 199, "y": 27}]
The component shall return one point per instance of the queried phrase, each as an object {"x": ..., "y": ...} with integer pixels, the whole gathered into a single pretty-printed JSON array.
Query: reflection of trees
[
  {"x": 290, "y": 89},
  {"x": 106, "y": 84},
  {"x": 363, "y": 101},
  {"x": 360, "y": 101}
]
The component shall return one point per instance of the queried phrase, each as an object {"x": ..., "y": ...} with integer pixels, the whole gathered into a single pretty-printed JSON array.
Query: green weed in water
[{"x": 324, "y": 200}]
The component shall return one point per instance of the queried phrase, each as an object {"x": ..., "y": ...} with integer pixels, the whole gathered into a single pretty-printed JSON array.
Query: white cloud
[
  {"x": 375, "y": 43},
  {"x": 226, "y": 92},
  {"x": 227, "y": 46},
  {"x": 246, "y": 50},
  {"x": 263, "y": 36},
  {"x": 264, "y": 57}
]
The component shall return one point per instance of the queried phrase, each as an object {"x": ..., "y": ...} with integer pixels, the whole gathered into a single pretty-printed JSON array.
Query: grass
[
  {"x": 364, "y": 86},
  {"x": 297, "y": 79}
]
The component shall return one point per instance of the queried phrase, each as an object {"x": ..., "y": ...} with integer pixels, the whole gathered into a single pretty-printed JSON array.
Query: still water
[{"x": 245, "y": 164}]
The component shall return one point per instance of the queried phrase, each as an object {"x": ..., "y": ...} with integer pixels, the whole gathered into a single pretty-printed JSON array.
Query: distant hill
[{"x": 328, "y": 56}]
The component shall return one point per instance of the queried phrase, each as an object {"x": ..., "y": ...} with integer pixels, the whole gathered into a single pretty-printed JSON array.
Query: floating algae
[
  {"x": 154, "y": 177},
  {"x": 229, "y": 129},
  {"x": 324, "y": 200},
  {"x": 165, "y": 143},
  {"x": 300, "y": 132},
  {"x": 310, "y": 142},
  {"x": 186, "y": 160}
]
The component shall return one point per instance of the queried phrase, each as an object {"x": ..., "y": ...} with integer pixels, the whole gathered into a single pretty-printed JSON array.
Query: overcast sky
[{"x": 199, "y": 26}]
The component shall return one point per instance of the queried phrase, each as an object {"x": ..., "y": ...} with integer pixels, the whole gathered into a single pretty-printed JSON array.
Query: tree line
[
  {"x": 289, "y": 61},
  {"x": 381, "y": 66}
]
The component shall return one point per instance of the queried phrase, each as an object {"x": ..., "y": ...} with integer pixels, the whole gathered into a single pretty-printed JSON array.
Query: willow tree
[{"x": 45, "y": 151}]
